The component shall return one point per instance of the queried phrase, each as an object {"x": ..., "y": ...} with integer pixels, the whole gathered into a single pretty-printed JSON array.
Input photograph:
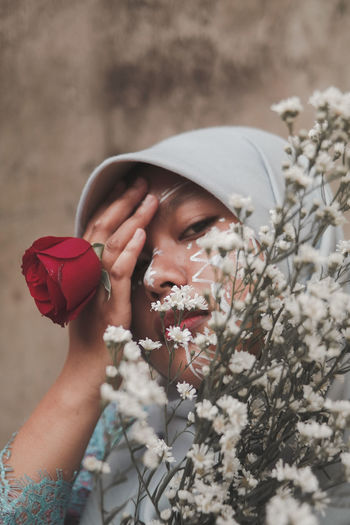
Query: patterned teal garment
[{"x": 53, "y": 501}]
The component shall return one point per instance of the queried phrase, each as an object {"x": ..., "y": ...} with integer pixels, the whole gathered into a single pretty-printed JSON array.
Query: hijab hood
[{"x": 223, "y": 160}]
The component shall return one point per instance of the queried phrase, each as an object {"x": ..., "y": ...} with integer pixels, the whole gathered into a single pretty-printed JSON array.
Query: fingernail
[
  {"x": 148, "y": 199},
  {"x": 138, "y": 235}
]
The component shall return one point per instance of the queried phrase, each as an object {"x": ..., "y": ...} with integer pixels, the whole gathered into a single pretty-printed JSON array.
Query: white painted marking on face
[
  {"x": 200, "y": 257},
  {"x": 189, "y": 246},
  {"x": 203, "y": 360},
  {"x": 148, "y": 278},
  {"x": 189, "y": 360},
  {"x": 222, "y": 219},
  {"x": 169, "y": 191}
]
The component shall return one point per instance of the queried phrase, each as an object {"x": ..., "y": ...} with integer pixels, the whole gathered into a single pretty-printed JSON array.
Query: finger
[
  {"x": 124, "y": 266},
  {"x": 122, "y": 271},
  {"x": 117, "y": 242},
  {"x": 113, "y": 195},
  {"x": 113, "y": 215}
]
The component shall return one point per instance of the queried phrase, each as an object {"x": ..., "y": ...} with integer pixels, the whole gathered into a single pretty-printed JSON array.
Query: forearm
[{"x": 58, "y": 431}]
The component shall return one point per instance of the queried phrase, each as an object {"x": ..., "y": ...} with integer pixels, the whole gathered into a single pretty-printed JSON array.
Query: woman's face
[{"x": 172, "y": 257}]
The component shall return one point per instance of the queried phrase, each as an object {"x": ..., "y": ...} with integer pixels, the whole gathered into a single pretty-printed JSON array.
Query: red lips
[{"x": 190, "y": 320}]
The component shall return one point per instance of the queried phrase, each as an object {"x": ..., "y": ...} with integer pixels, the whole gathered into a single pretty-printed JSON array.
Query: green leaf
[
  {"x": 105, "y": 280},
  {"x": 98, "y": 249}
]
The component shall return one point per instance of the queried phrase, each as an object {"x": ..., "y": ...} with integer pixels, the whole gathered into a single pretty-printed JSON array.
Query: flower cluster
[{"x": 267, "y": 438}]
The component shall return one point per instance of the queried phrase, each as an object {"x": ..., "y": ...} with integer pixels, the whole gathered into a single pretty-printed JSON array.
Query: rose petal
[
  {"x": 69, "y": 248},
  {"x": 52, "y": 266},
  {"x": 74, "y": 313},
  {"x": 39, "y": 292},
  {"x": 44, "y": 307},
  {"x": 57, "y": 299},
  {"x": 80, "y": 277},
  {"x": 46, "y": 242}
]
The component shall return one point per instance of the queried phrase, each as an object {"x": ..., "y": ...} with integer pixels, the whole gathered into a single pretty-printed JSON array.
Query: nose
[{"x": 164, "y": 271}]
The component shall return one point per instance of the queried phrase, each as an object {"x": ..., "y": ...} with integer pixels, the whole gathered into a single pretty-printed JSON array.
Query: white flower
[
  {"x": 332, "y": 214},
  {"x": 288, "y": 108},
  {"x": 266, "y": 236},
  {"x": 339, "y": 148},
  {"x": 149, "y": 345},
  {"x": 344, "y": 247},
  {"x": 315, "y": 401},
  {"x": 150, "y": 459},
  {"x": 190, "y": 417},
  {"x": 323, "y": 162},
  {"x": 131, "y": 351},
  {"x": 92, "y": 464},
  {"x": 289, "y": 512},
  {"x": 316, "y": 351},
  {"x": 302, "y": 477},
  {"x": 266, "y": 322},
  {"x": 308, "y": 255},
  {"x": 335, "y": 259},
  {"x": 315, "y": 132},
  {"x": 236, "y": 411},
  {"x": 181, "y": 298},
  {"x": 111, "y": 371},
  {"x": 314, "y": 430},
  {"x": 205, "y": 340},
  {"x": 116, "y": 334},
  {"x": 297, "y": 176},
  {"x": 186, "y": 390},
  {"x": 206, "y": 410},
  {"x": 345, "y": 459},
  {"x": 107, "y": 392},
  {"x": 202, "y": 456},
  {"x": 241, "y": 361},
  {"x": 143, "y": 433},
  {"x": 309, "y": 150},
  {"x": 217, "y": 320},
  {"x": 162, "y": 450},
  {"x": 216, "y": 239},
  {"x": 205, "y": 370},
  {"x": 312, "y": 307},
  {"x": 165, "y": 514},
  {"x": 178, "y": 335},
  {"x": 339, "y": 406},
  {"x": 332, "y": 98},
  {"x": 238, "y": 202}
]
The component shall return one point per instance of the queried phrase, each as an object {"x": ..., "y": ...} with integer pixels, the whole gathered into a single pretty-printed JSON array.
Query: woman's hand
[
  {"x": 58, "y": 431},
  {"x": 120, "y": 225}
]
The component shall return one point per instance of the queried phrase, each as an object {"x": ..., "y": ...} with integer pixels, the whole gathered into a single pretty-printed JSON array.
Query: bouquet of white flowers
[{"x": 266, "y": 439}]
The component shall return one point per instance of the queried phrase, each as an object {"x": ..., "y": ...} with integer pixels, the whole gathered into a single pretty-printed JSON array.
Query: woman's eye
[{"x": 198, "y": 227}]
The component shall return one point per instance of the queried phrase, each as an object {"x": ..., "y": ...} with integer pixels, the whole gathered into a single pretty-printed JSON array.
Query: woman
[{"x": 148, "y": 208}]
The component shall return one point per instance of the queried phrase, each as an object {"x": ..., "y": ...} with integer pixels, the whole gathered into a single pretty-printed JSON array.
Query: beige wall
[{"x": 84, "y": 79}]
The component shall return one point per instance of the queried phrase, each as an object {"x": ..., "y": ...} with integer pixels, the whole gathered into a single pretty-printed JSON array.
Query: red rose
[{"x": 62, "y": 275}]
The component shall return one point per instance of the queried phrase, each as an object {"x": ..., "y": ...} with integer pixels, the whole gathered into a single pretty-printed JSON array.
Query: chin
[{"x": 186, "y": 364}]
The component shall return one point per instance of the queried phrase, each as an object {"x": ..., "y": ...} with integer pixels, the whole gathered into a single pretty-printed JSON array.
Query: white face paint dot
[
  {"x": 222, "y": 219},
  {"x": 150, "y": 273},
  {"x": 189, "y": 246}
]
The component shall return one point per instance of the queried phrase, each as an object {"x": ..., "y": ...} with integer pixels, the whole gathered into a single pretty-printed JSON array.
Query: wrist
[{"x": 81, "y": 379}]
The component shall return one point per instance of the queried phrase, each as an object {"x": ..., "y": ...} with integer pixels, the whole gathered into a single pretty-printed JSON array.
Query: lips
[{"x": 191, "y": 320}]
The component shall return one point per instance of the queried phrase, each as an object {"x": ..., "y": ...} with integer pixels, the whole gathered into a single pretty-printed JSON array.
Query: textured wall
[{"x": 84, "y": 79}]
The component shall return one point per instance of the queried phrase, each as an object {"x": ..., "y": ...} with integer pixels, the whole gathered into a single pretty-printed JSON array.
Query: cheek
[
  {"x": 140, "y": 312},
  {"x": 206, "y": 271}
]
